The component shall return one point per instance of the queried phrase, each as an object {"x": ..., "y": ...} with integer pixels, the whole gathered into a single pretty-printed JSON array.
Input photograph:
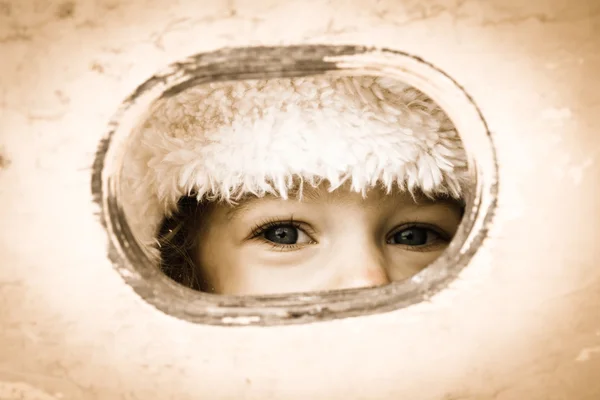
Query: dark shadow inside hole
[{"x": 176, "y": 241}]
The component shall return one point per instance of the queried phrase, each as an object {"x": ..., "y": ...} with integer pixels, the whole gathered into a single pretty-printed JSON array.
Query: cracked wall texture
[{"x": 521, "y": 322}]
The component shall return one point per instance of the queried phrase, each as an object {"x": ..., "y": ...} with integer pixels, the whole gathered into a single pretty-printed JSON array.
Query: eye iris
[
  {"x": 282, "y": 235},
  {"x": 411, "y": 237}
]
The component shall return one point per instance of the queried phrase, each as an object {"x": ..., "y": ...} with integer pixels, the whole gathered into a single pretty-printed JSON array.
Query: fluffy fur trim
[{"x": 224, "y": 140}]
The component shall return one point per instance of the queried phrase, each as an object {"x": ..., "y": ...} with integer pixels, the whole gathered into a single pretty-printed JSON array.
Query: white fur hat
[{"x": 222, "y": 140}]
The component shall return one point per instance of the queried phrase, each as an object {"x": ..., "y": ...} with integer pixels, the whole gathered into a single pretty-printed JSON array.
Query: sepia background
[{"x": 521, "y": 322}]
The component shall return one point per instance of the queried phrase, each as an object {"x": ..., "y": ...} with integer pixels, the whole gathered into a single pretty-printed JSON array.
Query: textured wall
[{"x": 522, "y": 321}]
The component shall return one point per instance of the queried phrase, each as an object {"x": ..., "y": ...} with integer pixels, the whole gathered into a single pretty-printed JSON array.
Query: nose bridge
[{"x": 364, "y": 264}]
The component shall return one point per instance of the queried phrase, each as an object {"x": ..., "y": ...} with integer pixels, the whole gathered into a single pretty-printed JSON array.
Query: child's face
[{"x": 326, "y": 241}]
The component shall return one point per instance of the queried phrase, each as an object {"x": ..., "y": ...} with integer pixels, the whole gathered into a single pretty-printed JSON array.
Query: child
[{"x": 299, "y": 184}]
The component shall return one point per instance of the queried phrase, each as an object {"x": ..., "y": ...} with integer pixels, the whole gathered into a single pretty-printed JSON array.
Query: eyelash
[
  {"x": 443, "y": 236},
  {"x": 265, "y": 225}
]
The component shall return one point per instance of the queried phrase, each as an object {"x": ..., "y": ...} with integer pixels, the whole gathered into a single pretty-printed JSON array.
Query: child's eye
[
  {"x": 285, "y": 234},
  {"x": 414, "y": 236}
]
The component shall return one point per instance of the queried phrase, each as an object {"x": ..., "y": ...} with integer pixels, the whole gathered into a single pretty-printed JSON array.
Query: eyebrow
[
  {"x": 295, "y": 193},
  {"x": 242, "y": 205}
]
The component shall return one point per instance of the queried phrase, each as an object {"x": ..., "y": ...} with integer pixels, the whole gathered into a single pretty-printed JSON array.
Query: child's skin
[{"x": 325, "y": 241}]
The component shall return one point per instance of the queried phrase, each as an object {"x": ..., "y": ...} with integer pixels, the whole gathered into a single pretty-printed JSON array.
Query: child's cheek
[{"x": 403, "y": 263}]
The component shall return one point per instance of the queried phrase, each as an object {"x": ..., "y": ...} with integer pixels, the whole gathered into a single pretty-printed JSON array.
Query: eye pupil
[
  {"x": 284, "y": 234},
  {"x": 411, "y": 237}
]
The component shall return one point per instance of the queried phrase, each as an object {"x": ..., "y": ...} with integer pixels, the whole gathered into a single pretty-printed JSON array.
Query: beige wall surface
[{"x": 521, "y": 322}]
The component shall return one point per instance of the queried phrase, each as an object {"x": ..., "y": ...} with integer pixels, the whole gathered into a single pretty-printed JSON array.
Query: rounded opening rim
[{"x": 133, "y": 264}]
